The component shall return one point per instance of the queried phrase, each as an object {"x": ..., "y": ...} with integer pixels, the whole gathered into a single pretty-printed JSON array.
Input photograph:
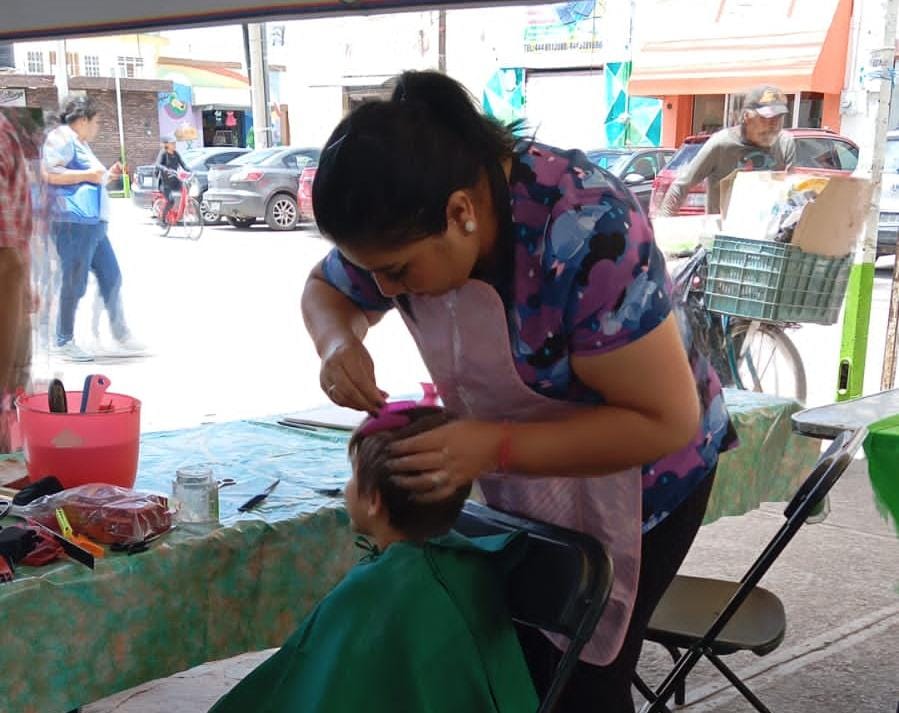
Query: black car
[
  {"x": 637, "y": 167},
  {"x": 199, "y": 161}
]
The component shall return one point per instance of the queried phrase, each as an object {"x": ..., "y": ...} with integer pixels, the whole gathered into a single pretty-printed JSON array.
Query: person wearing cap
[
  {"x": 758, "y": 143},
  {"x": 167, "y": 164}
]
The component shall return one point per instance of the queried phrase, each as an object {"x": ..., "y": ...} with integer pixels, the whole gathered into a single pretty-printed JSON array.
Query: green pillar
[{"x": 854, "y": 348}]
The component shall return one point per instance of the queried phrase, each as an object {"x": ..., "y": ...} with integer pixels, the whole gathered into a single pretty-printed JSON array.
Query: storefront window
[{"x": 708, "y": 113}]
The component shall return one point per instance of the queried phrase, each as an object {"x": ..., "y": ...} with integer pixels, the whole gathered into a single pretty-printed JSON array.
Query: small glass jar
[{"x": 196, "y": 496}]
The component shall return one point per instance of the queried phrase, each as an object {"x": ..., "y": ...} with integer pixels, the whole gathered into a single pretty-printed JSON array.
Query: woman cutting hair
[{"x": 541, "y": 306}]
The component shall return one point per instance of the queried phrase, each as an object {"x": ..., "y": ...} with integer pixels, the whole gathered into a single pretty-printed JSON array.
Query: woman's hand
[
  {"x": 439, "y": 462},
  {"x": 348, "y": 376},
  {"x": 95, "y": 175}
]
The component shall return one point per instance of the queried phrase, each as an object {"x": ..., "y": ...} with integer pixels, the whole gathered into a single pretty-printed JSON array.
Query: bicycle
[
  {"x": 748, "y": 354},
  {"x": 185, "y": 211}
]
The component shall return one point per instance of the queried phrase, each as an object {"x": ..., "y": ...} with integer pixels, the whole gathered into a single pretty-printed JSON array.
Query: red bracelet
[{"x": 505, "y": 448}]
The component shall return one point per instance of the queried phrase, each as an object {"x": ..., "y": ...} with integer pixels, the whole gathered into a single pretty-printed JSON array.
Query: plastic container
[
  {"x": 81, "y": 448},
  {"x": 775, "y": 282},
  {"x": 196, "y": 496}
]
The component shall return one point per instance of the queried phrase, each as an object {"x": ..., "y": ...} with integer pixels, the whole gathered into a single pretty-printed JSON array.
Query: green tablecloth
[{"x": 72, "y": 636}]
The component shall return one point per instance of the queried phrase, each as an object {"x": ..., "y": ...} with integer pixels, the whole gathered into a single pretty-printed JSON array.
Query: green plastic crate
[{"x": 769, "y": 281}]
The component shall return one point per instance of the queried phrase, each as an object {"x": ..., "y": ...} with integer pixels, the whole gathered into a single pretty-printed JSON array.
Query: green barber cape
[{"x": 416, "y": 629}]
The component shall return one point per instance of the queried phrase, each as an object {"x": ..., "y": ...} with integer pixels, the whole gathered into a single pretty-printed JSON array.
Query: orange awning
[{"x": 725, "y": 46}]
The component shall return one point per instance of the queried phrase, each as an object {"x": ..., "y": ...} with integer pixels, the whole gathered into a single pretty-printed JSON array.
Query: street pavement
[{"x": 221, "y": 318}]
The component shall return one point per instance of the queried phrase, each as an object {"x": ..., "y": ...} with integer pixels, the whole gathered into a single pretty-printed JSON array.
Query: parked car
[
  {"x": 888, "y": 225},
  {"x": 821, "y": 150},
  {"x": 199, "y": 162},
  {"x": 260, "y": 184},
  {"x": 636, "y": 167},
  {"x": 304, "y": 193}
]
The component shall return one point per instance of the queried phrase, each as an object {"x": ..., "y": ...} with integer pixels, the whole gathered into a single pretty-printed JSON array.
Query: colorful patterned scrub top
[{"x": 588, "y": 279}]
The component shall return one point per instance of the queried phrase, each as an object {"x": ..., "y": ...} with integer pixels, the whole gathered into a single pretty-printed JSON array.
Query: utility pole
[
  {"x": 257, "y": 70},
  {"x": 62, "y": 70},
  {"x": 441, "y": 40},
  {"x": 868, "y": 97}
]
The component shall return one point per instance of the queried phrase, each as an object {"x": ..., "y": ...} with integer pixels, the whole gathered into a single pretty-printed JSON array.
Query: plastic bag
[{"x": 104, "y": 513}]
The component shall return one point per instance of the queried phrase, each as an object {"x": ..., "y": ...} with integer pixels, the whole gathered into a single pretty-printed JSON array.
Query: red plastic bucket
[{"x": 80, "y": 448}]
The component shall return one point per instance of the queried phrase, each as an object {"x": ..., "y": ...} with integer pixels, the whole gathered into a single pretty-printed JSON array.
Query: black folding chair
[
  {"x": 562, "y": 585},
  {"x": 713, "y": 617}
]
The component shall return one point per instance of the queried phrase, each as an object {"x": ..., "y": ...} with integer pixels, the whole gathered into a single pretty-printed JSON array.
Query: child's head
[{"x": 372, "y": 496}]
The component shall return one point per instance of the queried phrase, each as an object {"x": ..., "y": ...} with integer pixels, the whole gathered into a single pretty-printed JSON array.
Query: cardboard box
[{"x": 830, "y": 226}]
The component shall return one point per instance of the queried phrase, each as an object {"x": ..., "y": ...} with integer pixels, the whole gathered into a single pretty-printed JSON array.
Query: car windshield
[
  {"x": 891, "y": 160},
  {"x": 606, "y": 159},
  {"x": 683, "y": 156},
  {"x": 253, "y": 157},
  {"x": 622, "y": 163},
  {"x": 191, "y": 155}
]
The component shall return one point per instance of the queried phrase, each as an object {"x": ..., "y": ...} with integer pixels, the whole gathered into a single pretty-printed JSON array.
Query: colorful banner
[
  {"x": 503, "y": 96},
  {"x": 630, "y": 121},
  {"x": 177, "y": 117}
]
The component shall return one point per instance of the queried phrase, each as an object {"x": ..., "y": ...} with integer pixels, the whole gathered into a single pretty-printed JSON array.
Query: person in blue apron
[
  {"x": 542, "y": 308},
  {"x": 79, "y": 223}
]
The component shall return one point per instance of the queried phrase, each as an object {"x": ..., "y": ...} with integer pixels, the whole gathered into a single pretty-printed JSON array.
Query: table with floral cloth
[{"x": 72, "y": 635}]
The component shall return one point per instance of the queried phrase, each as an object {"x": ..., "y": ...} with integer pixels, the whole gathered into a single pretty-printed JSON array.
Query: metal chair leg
[
  {"x": 672, "y": 681},
  {"x": 680, "y": 693},
  {"x": 645, "y": 691},
  {"x": 737, "y": 683}
]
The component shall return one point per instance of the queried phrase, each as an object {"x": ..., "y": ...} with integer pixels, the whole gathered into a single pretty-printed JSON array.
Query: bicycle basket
[{"x": 776, "y": 282}]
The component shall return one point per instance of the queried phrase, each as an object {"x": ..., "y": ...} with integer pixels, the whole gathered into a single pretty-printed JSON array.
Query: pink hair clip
[{"x": 393, "y": 415}]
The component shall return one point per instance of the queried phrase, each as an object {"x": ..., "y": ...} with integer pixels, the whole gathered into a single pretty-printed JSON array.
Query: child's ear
[{"x": 375, "y": 503}]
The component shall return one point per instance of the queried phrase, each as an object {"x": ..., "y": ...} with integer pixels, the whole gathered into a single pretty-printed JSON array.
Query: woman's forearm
[
  {"x": 70, "y": 177},
  {"x": 597, "y": 441},
  {"x": 330, "y": 316}
]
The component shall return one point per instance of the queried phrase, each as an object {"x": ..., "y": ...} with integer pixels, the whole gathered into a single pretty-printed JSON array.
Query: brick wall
[
  {"x": 141, "y": 125},
  {"x": 43, "y": 98}
]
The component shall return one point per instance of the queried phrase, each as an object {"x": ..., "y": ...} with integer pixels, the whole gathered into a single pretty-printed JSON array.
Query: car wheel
[
  {"x": 209, "y": 217},
  {"x": 281, "y": 213},
  {"x": 241, "y": 223}
]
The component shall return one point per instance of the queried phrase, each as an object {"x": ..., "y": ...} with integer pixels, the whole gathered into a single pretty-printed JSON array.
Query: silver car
[
  {"x": 259, "y": 185},
  {"x": 888, "y": 226}
]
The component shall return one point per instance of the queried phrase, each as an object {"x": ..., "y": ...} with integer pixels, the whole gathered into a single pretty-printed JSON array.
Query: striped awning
[{"x": 728, "y": 46}]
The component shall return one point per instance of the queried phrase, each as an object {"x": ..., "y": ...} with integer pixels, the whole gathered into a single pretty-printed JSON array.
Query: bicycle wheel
[
  {"x": 192, "y": 220},
  {"x": 769, "y": 363},
  {"x": 164, "y": 225}
]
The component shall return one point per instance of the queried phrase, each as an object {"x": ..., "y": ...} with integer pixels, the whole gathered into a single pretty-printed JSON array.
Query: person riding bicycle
[
  {"x": 167, "y": 164},
  {"x": 757, "y": 143}
]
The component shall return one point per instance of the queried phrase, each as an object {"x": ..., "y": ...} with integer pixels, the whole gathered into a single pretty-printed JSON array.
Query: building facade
[{"x": 700, "y": 57}]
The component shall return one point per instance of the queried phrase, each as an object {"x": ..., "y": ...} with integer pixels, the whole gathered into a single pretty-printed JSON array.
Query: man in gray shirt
[{"x": 759, "y": 143}]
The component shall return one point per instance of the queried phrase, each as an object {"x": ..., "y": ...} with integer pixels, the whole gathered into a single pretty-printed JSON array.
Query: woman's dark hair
[
  {"x": 388, "y": 169},
  {"x": 370, "y": 454},
  {"x": 77, "y": 107}
]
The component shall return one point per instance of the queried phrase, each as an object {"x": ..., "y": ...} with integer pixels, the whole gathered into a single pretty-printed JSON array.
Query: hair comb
[{"x": 393, "y": 415}]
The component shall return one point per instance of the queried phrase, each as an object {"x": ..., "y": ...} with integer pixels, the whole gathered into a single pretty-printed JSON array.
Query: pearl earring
[{"x": 470, "y": 226}]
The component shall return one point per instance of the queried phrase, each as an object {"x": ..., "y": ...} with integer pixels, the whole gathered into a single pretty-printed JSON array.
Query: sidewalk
[{"x": 839, "y": 582}]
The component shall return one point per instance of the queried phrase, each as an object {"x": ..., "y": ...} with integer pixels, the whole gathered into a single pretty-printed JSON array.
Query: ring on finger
[
  {"x": 437, "y": 479},
  {"x": 331, "y": 388}
]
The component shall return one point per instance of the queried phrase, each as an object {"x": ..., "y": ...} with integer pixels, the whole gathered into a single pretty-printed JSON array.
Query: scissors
[{"x": 225, "y": 482}]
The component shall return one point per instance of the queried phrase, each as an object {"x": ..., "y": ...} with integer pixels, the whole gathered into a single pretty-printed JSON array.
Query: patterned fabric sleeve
[
  {"x": 623, "y": 293},
  {"x": 59, "y": 150},
  {"x": 15, "y": 191},
  {"x": 356, "y": 284}
]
